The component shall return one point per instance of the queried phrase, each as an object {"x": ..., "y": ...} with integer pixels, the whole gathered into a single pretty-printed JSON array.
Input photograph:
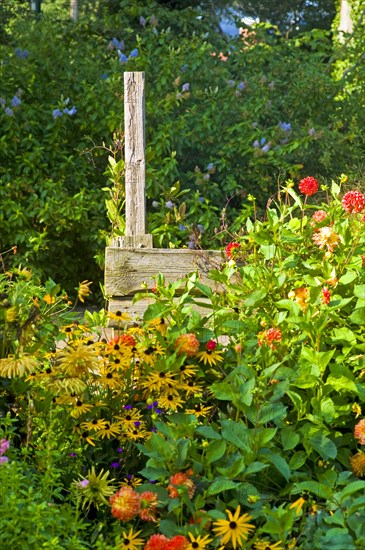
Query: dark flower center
[
  {"x": 195, "y": 545},
  {"x": 109, "y": 375},
  {"x": 232, "y": 525}
]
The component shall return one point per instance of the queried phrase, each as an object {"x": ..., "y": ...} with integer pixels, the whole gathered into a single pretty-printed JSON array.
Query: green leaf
[
  {"x": 277, "y": 461},
  {"x": 297, "y": 460},
  {"x": 254, "y": 297},
  {"x": 359, "y": 291},
  {"x": 348, "y": 277},
  {"x": 289, "y": 438},
  {"x": 154, "y": 473},
  {"x": 234, "y": 469},
  {"x": 238, "y": 434},
  {"x": 208, "y": 432},
  {"x": 322, "y": 445},
  {"x": 155, "y": 311},
  {"x": 215, "y": 451},
  {"x": 350, "y": 489},
  {"x": 318, "y": 489},
  {"x": 220, "y": 485},
  {"x": 358, "y": 316},
  {"x": 204, "y": 289}
]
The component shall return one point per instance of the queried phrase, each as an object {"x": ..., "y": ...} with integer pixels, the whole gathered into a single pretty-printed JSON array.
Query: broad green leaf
[
  {"x": 220, "y": 485},
  {"x": 344, "y": 334},
  {"x": 358, "y": 316},
  {"x": 277, "y": 461},
  {"x": 322, "y": 445},
  {"x": 204, "y": 289},
  {"x": 318, "y": 489},
  {"x": 348, "y": 277},
  {"x": 238, "y": 434},
  {"x": 155, "y": 310},
  {"x": 154, "y": 473},
  {"x": 289, "y": 438},
  {"x": 208, "y": 432},
  {"x": 350, "y": 489},
  {"x": 233, "y": 470},
  {"x": 254, "y": 297},
  {"x": 297, "y": 460},
  {"x": 215, "y": 451},
  {"x": 359, "y": 291}
]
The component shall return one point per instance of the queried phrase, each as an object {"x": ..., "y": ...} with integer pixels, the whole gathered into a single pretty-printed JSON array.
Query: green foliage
[{"x": 249, "y": 91}]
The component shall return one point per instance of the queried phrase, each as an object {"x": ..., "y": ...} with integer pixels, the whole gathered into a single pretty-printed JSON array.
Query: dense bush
[{"x": 275, "y": 104}]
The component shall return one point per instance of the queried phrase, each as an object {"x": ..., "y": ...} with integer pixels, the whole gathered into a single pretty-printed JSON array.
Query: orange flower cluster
[
  {"x": 308, "y": 186},
  {"x": 181, "y": 479},
  {"x": 300, "y": 296},
  {"x": 187, "y": 343},
  {"x": 127, "y": 503},
  {"x": 359, "y": 431},
  {"x": 358, "y": 464},
  {"x": 160, "y": 542},
  {"x": 268, "y": 337}
]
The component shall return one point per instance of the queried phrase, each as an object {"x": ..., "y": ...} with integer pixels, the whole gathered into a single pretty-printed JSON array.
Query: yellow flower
[
  {"x": 119, "y": 316},
  {"x": 78, "y": 360},
  {"x": 131, "y": 541},
  {"x": 49, "y": 299},
  {"x": 96, "y": 424},
  {"x": 169, "y": 400},
  {"x": 358, "y": 464},
  {"x": 10, "y": 314},
  {"x": 109, "y": 430},
  {"x": 80, "y": 408},
  {"x": 264, "y": 545},
  {"x": 158, "y": 381},
  {"x": 300, "y": 296},
  {"x": 210, "y": 357},
  {"x": 356, "y": 409},
  {"x": 235, "y": 529},
  {"x": 325, "y": 236},
  {"x": 298, "y": 504},
  {"x": 199, "y": 410},
  {"x": 83, "y": 290},
  {"x": 198, "y": 543},
  {"x": 97, "y": 490},
  {"x": 12, "y": 367}
]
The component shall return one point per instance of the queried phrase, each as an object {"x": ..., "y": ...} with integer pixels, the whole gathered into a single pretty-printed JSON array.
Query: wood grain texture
[{"x": 126, "y": 270}]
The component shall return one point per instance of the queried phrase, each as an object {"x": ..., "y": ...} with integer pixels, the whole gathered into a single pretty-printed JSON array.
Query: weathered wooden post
[{"x": 131, "y": 261}]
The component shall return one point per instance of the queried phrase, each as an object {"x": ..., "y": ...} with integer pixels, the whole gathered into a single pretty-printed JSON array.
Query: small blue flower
[
  {"x": 184, "y": 68},
  {"x": 122, "y": 57},
  {"x": 120, "y": 450},
  {"x": 285, "y": 126},
  {"x": 137, "y": 423},
  {"x": 266, "y": 148},
  {"x": 104, "y": 76},
  {"x": 169, "y": 204},
  {"x": 9, "y": 111},
  {"x": 201, "y": 199},
  {"x": 142, "y": 21},
  {"x": 311, "y": 131},
  {"x": 182, "y": 227},
  {"x": 185, "y": 87},
  {"x": 210, "y": 166},
  {"x": 128, "y": 407},
  {"x": 158, "y": 411},
  {"x": 262, "y": 141},
  {"x": 119, "y": 45},
  {"x": 200, "y": 227},
  {"x": 134, "y": 53},
  {"x": 241, "y": 86},
  {"x": 155, "y": 204},
  {"x": 231, "y": 83},
  {"x": 71, "y": 111},
  {"x": 191, "y": 245},
  {"x": 256, "y": 143},
  {"x": 206, "y": 176},
  {"x": 57, "y": 113},
  {"x": 15, "y": 101},
  {"x": 114, "y": 465},
  {"x": 2, "y": 101},
  {"x": 22, "y": 54}
]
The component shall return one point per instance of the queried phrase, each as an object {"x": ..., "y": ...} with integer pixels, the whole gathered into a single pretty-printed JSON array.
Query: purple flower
[
  {"x": 230, "y": 83},
  {"x": 158, "y": 411},
  {"x": 200, "y": 227},
  {"x": 182, "y": 228},
  {"x": 241, "y": 86},
  {"x": 9, "y": 111},
  {"x": 256, "y": 143},
  {"x": 114, "y": 465},
  {"x": 72, "y": 455},
  {"x": 262, "y": 141},
  {"x": 266, "y": 148},
  {"x": 104, "y": 76},
  {"x": 3, "y": 460},
  {"x": 122, "y": 57},
  {"x": 128, "y": 407},
  {"x": 210, "y": 166},
  {"x": 134, "y": 53},
  {"x": 142, "y": 21},
  {"x": 2, "y": 101},
  {"x": 137, "y": 424},
  {"x": 201, "y": 199},
  {"x": 57, "y": 113},
  {"x": 71, "y": 111},
  {"x": 285, "y": 126},
  {"x": 119, "y": 45},
  {"x": 191, "y": 246},
  {"x": 184, "y": 68},
  {"x": 120, "y": 450},
  {"x": 185, "y": 87},
  {"x": 169, "y": 204},
  {"x": 4, "y": 446},
  {"x": 83, "y": 483},
  {"x": 154, "y": 429}
]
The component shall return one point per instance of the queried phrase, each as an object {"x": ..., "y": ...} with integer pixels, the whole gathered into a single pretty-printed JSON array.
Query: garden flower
[
  {"x": 210, "y": 356},
  {"x": 170, "y": 400},
  {"x": 97, "y": 490},
  {"x": 308, "y": 186},
  {"x": 353, "y": 202},
  {"x": 358, "y": 464},
  {"x": 9, "y": 112},
  {"x": 187, "y": 343},
  {"x": 264, "y": 545},
  {"x": 4, "y": 446},
  {"x": 57, "y": 113},
  {"x": 232, "y": 249},
  {"x": 268, "y": 337},
  {"x": 359, "y": 431},
  {"x": 318, "y": 217},
  {"x": 109, "y": 430},
  {"x": 130, "y": 541},
  {"x": 185, "y": 87},
  {"x": 3, "y": 460},
  {"x": 178, "y": 542},
  {"x": 49, "y": 299},
  {"x": 83, "y": 290},
  {"x": 16, "y": 101},
  {"x": 198, "y": 543},
  {"x": 78, "y": 360},
  {"x": 326, "y": 296},
  {"x": 325, "y": 236},
  {"x": 11, "y": 367},
  {"x": 156, "y": 542},
  {"x": 298, "y": 504},
  {"x": 235, "y": 529},
  {"x": 148, "y": 506},
  {"x": 300, "y": 296},
  {"x": 181, "y": 479},
  {"x": 125, "y": 504}
]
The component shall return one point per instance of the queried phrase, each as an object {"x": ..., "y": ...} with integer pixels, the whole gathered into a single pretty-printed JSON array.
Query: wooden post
[
  {"x": 74, "y": 9},
  {"x": 135, "y": 163}
]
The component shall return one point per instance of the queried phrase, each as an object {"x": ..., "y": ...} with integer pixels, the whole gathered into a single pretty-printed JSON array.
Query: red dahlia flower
[
  {"x": 308, "y": 186},
  {"x": 231, "y": 249},
  {"x": 353, "y": 202}
]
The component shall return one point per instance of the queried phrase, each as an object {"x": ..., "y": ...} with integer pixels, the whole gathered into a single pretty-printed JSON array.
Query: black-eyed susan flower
[
  {"x": 187, "y": 371},
  {"x": 199, "y": 410},
  {"x": 298, "y": 504},
  {"x": 210, "y": 355},
  {"x": 96, "y": 424},
  {"x": 83, "y": 290},
  {"x": 80, "y": 408},
  {"x": 158, "y": 381},
  {"x": 109, "y": 379},
  {"x": 135, "y": 432},
  {"x": 119, "y": 316},
  {"x": 170, "y": 401},
  {"x": 130, "y": 541},
  {"x": 266, "y": 545},
  {"x": 199, "y": 542},
  {"x": 109, "y": 430},
  {"x": 235, "y": 529}
]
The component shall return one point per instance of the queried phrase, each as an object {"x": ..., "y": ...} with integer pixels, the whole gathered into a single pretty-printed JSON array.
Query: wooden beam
[{"x": 135, "y": 163}]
